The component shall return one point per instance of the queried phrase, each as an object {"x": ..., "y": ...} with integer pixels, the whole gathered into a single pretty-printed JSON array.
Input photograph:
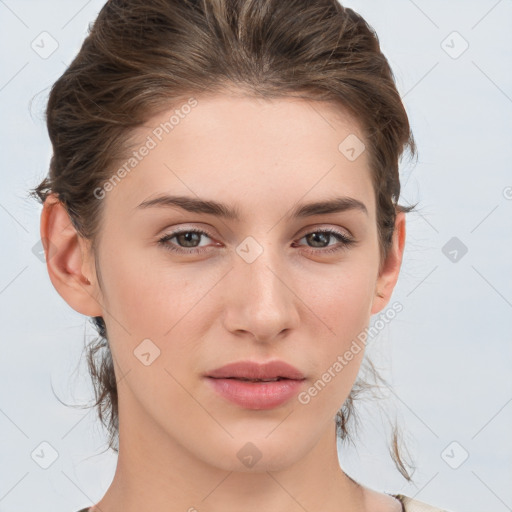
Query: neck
[{"x": 154, "y": 472}]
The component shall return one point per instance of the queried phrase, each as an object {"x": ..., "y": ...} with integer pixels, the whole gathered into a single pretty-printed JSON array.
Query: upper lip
[{"x": 254, "y": 370}]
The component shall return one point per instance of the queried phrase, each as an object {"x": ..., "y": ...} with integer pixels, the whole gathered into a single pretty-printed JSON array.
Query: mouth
[
  {"x": 256, "y": 394},
  {"x": 244, "y": 379},
  {"x": 257, "y": 372},
  {"x": 253, "y": 385}
]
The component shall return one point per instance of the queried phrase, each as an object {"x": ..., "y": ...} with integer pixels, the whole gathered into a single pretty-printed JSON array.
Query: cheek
[
  {"x": 341, "y": 298},
  {"x": 343, "y": 304},
  {"x": 146, "y": 295},
  {"x": 148, "y": 300}
]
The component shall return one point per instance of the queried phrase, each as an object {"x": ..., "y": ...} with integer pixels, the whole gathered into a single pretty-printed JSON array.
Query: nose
[{"x": 260, "y": 299}]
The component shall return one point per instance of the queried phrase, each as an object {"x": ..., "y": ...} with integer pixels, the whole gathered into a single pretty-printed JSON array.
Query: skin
[{"x": 178, "y": 439}]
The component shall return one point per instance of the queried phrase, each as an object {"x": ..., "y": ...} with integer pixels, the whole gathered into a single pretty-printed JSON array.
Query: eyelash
[{"x": 345, "y": 241}]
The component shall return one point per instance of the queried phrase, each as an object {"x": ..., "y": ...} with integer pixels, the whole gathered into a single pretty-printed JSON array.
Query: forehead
[{"x": 247, "y": 151}]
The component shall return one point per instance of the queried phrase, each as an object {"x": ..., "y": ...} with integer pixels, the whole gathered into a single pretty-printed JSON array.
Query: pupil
[
  {"x": 315, "y": 236},
  {"x": 187, "y": 236}
]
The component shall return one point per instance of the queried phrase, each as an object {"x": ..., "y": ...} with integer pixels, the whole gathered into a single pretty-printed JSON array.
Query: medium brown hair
[{"x": 142, "y": 56}]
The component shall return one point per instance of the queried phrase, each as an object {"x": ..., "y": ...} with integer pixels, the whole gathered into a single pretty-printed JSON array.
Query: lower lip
[{"x": 256, "y": 395}]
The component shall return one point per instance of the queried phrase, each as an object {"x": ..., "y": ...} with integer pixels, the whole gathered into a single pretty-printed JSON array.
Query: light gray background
[{"x": 448, "y": 353}]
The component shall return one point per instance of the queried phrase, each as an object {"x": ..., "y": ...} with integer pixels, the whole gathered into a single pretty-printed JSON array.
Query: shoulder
[{"x": 413, "y": 505}]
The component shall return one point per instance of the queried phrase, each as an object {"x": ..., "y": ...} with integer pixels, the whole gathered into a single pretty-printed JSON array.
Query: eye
[
  {"x": 324, "y": 235},
  {"x": 189, "y": 237},
  {"x": 188, "y": 240}
]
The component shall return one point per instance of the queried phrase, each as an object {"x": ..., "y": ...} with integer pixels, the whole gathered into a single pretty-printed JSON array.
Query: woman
[{"x": 222, "y": 201}]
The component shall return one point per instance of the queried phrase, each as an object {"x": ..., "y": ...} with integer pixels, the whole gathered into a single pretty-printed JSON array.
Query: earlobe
[
  {"x": 390, "y": 270},
  {"x": 70, "y": 268}
]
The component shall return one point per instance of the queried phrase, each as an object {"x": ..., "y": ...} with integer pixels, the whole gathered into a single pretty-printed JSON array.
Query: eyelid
[
  {"x": 185, "y": 228},
  {"x": 326, "y": 227}
]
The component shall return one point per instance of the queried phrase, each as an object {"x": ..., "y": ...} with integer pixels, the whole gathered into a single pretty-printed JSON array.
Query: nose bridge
[
  {"x": 263, "y": 279},
  {"x": 261, "y": 303}
]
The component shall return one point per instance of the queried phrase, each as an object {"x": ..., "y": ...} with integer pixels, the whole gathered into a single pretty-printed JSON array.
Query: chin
[{"x": 257, "y": 454}]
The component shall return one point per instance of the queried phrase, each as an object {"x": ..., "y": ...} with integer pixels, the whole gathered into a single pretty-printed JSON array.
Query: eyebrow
[{"x": 211, "y": 207}]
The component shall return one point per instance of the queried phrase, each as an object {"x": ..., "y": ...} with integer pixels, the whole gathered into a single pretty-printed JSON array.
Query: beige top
[
  {"x": 413, "y": 505},
  {"x": 408, "y": 504}
]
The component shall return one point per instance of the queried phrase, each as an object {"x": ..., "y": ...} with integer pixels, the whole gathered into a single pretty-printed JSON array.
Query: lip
[
  {"x": 256, "y": 395},
  {"x": 254, "y": 370},
  {"x": 227, "y": 382}
]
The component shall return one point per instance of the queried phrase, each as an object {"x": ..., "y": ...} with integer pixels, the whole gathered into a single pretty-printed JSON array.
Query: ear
[
  {"x": 68, "y": 259},
  {"x": 390, "y": 268}
]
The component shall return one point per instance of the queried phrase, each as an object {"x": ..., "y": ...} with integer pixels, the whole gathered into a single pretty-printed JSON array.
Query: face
[{"x": 185, "y": 290}]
